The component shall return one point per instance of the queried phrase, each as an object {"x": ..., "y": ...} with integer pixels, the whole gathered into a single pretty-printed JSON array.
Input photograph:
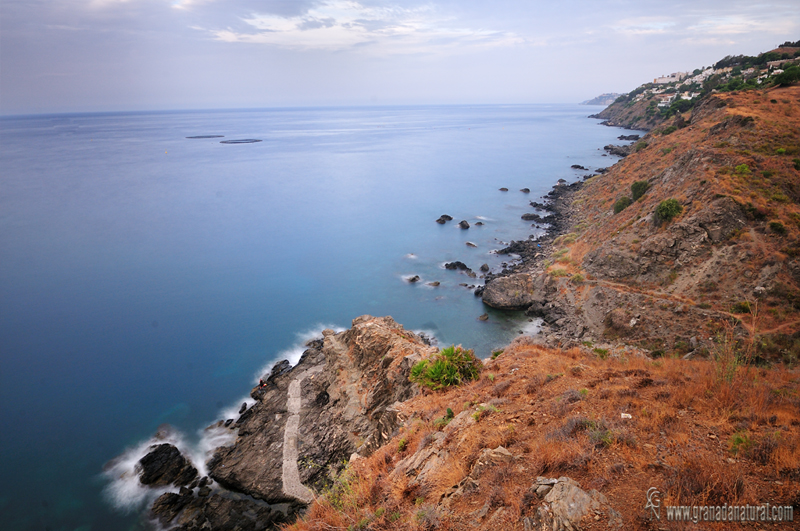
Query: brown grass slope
[
  {"x": 697, "y": 435},
  {"x": 734, "y": 248}
]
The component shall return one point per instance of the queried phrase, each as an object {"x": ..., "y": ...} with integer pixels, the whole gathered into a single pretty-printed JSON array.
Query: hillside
[
  {"x": 539, "y": 414},
  {"x": 651, "y": 104}
]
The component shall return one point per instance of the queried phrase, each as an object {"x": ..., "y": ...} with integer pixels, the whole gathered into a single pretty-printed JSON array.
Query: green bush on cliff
[
  {"x": 638, "y": 188},
  {"x": 621, "y": 204},
  {"x": 451, "y": 366},
  {"x": 668, "y": 209}
]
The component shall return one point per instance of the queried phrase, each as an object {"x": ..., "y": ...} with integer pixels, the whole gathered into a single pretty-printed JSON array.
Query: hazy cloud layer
[{"x": 139, "y": 54}]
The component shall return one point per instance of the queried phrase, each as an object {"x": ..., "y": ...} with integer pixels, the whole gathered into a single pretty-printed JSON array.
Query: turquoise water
[{"x": 147, "y": 278}]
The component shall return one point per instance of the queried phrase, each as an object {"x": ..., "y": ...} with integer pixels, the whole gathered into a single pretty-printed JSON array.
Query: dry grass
[{"x": 678, "y": 439}]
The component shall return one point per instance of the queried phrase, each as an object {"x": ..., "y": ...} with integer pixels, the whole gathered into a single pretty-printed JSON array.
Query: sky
[{"x": 131, "y": 55}]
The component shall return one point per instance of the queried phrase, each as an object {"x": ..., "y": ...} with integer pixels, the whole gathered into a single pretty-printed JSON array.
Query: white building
[{"x": 672, "y": 78}]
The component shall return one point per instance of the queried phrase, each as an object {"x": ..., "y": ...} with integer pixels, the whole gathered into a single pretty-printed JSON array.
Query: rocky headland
[{"x": 669, "y": 286}]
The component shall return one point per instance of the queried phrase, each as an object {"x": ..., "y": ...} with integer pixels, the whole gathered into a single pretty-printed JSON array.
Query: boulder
[
  {"x": 461, "y": 266},
  {"x": 504, "y": 189},
  {"x": 413, "y": 279},
  {"x": 470, "y": 244},
  {"x": 514, "y": 292},
  {"x": 532, "y": 217},
  {"x": 525, "y": 190},
  {"x": 463, "y": 224},
  {"x": 164, "y": 465},
  {"x": 567, "y": 507},
  {"x": 485, "y": 268},
  {"x": 578, "y": 167}
]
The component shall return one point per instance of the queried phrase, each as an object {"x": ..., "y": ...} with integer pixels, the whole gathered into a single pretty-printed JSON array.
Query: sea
[{"x": 151, "y": 271}]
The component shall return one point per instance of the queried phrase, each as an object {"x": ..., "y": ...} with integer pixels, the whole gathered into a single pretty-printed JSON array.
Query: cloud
[
  {"x": 343, "y": 24},
  {"x": 644, "y": 26}
]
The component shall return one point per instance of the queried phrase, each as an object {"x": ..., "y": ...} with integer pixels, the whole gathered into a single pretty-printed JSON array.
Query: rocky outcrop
[
  {"x": 310, "y": 419},
  {"x": 514, "y": 292},
  {"x": 567, "y": 507},
  {"x": 620, "y": 151},
  {"x": 164, "y": 465}
]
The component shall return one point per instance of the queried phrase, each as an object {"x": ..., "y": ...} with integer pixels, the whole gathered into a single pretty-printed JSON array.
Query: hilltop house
[
  {"x": 664, "y": 100},
  {"x": 675, "y": 76}
]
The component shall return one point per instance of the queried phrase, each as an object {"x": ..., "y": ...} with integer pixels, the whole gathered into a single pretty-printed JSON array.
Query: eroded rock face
[
  {"x": 514, "y": 292},
  {"x": 348, "y": 383},
  {"x": 306, "y": 423}
]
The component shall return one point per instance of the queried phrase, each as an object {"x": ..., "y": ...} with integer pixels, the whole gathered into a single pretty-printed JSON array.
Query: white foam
[
  {"x": 430, "y": 334},
  {"x": 484, "y": 218},
  {"x": 124, "y": 491},
  {"x": 411, "y": 256},
  {"x": 294, "y": 352}
]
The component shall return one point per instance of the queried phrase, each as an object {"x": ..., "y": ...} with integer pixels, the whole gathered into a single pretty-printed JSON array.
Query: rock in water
[
  {"x": 514, "y": 292},
  {"x": 463, "y": 224},
  {"x": 165, "y": 465}
]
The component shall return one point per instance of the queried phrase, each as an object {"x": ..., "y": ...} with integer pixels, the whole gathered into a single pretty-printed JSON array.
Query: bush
[
  {"x": 621, "y": 204},
  {"x": 669, "y": 130},
  {"x": 638, "y": 189},
  {"x": 777, "y": 227},
  {"x": 742, "y": 169},
  {"x": 780, "y": 151},
  {"x": 640, "y": 145},
  {"x": 668, "y": 209},
  {"x": 577, "y": 279},
  {"x": 451, "y": 366},
  {"x": 796, "y": 164}
]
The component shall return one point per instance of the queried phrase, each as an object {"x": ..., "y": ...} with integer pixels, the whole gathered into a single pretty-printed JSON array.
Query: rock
[
  {"x": 164, "y": 465},
  {"x": 204, "y": 491},
  {"x": 444, "y": 218},
  {"x": 243, "y": 408},
  {"x": 434, "y": 283},
  {"x": 514, "y": 292},
  {"x": 525, "y": 190},
  {"x": 479, "y": 224},
  {"x": 504, "y": 189},
  {"x": 228, "y": 422},
  {"x": 484, "y": 268},
  {"x": 620, "y": 151},
  {"x": 440, "y": 221},
  {"x": 578, "y": 167},
  {"x": 566, "y": 505},
  {"x": 463, "y": 224},
  {"x": 310, "y": 418},
  {"x": 532, "y": 217},
  {"x": 628, "y": 137},
  {"x": 470, "y": 244},
  {"x": 461, "y": 266},
  {"x": 413, "y": 279},
  {"x": 484, "y": 317}
]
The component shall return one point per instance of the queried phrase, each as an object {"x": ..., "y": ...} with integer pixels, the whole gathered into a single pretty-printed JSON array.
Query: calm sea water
[{"x": 147, "y": 278}]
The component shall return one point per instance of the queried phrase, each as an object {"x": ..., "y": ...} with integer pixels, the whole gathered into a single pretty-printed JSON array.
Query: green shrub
[
  {"x": 577, "y": 279},
  {"x": 640, "y": 145},
  {"x": 780, "y": 151},
  {"x": 742, "y": 169},
  {"x": 638, "y": 188},
  {"x": 559, "y": 273},
  {"x": 740, "y": 442},
  {"x": 669, "y": 130},
  {"x": 796, "y": 164},
  {"x": 451, "y": 366},
  {"x": 602, "y": 353},
  {"x": 668, "y": 209},
  {"x": 621, "y": 204},
  {"x": 741, "y": 307},
  {"x": 777, "y": 227}
]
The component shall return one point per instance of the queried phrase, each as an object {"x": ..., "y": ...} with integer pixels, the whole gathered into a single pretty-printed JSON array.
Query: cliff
[{"x": 623, "y": 274}]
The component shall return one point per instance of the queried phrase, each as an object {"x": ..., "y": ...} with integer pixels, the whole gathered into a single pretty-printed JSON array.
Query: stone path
[{"x": 291, "y": 476}]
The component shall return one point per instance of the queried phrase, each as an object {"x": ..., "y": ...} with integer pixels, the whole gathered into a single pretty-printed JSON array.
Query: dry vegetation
[
  {"x": 745, "y": 146},
  {"x": 698, "y": 432}
]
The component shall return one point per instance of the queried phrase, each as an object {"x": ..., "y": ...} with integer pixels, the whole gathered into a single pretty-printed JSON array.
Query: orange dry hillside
[
  {"x": 700, "y": 432},
  {"x": 732, "y": 251}
]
